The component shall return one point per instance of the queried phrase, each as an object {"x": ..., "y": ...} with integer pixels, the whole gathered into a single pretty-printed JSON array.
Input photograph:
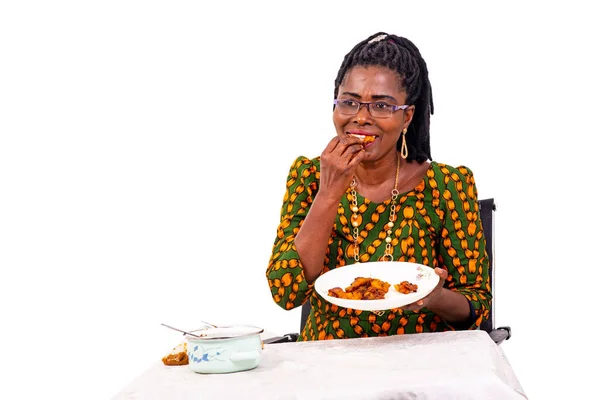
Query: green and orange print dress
[{"x": 437, "y": 225}]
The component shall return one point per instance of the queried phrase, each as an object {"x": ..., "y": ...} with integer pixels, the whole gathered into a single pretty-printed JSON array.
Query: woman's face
[{"x": 373, "y": 84}]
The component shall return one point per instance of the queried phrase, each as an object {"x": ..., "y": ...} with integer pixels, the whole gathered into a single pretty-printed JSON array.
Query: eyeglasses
[{"x": 377, "y": 109}]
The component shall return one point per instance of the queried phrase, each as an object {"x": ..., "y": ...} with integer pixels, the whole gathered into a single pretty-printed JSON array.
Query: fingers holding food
[
  {"x": 364, "y": 139},
  {"x": 368, "y": 139}
]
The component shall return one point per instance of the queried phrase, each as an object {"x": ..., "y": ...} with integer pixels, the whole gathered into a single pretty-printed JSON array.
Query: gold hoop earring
[{"x": 404, "y": 148}]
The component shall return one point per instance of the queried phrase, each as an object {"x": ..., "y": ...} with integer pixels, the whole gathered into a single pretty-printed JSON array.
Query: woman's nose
[{"x": 363, "y": 116}]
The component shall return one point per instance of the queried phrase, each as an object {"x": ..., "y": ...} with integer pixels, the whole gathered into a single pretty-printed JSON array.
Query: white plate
[{"x": 392, "y": 272}]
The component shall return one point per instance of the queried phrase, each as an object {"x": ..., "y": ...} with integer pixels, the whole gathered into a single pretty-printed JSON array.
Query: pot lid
[{"x": 224, "y": 332}]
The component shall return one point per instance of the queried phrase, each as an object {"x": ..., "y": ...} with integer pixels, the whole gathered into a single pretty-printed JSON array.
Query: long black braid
[{"x": 401, "y": 55}]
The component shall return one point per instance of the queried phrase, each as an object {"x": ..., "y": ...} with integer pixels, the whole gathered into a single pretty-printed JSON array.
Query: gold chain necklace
[{"x": 355, "y": 232}]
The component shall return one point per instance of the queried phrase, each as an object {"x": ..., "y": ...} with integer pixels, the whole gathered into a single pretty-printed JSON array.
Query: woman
[{"x": 376, "y": 172}]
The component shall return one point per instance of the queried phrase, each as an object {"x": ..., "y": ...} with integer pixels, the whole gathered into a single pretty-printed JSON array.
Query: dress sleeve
[
  {"x": 285, "y": 273},
  {"x": 462, "y": 249}
]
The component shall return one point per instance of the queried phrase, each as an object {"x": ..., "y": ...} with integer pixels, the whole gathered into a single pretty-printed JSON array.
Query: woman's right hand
[
  {"x": 338, "y": 164},
  {"x": 339, "y": 161}
]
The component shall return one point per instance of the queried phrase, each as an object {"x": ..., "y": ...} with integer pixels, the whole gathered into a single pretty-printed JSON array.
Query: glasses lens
[
  {"x": 380, "y": 110},
  {"x": 348, "y": 107}
]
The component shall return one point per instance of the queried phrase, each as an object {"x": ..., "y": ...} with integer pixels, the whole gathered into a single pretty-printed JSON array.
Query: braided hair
[{"x": 402, "y": 56}]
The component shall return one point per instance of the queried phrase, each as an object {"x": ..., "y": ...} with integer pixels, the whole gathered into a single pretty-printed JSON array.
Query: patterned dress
[{"x": 437, "y": 225}]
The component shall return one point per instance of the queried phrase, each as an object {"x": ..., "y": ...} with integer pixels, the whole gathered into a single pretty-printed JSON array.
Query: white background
[{"x": 145, "y": 145}]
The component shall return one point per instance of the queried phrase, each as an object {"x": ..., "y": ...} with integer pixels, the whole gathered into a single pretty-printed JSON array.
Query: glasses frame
[{"x": 369, "y": 105}]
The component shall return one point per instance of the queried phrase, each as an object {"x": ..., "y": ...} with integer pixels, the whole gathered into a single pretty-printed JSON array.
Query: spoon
[
  {"x": 209, "y": 324},
  {"x": 179, "y": 330}
]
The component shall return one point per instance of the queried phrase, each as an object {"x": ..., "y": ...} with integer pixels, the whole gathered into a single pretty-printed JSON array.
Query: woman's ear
[{"x": 408, "y": 116}]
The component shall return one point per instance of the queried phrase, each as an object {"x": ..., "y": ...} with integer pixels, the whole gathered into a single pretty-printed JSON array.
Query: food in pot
[
  {"x": 362, "y": 289},
  {"x": 406, "y": 287},
  {"x": 177, "y": 356}
]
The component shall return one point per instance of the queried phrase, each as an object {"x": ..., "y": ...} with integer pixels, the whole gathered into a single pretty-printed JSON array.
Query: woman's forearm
[
  {"x": 313, "y": 237},
  {"x": 451, "y": 306}
]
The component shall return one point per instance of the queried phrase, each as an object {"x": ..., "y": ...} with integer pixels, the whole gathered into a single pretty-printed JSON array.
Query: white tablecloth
[{"x": 450, "y": 365}]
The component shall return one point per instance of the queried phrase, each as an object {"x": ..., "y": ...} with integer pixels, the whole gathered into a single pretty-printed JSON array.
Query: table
[{"x": 450, "y": 365}]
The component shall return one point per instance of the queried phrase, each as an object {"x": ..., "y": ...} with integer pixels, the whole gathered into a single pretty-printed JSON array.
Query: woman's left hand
[{"x": 432, "y": 297}]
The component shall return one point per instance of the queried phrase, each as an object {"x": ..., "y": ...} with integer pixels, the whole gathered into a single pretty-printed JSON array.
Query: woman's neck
[{"x": 379, "y": 172}]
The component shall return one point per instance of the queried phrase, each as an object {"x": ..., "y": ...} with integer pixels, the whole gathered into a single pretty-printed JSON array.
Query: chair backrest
[{"x": 486, "y": 211}]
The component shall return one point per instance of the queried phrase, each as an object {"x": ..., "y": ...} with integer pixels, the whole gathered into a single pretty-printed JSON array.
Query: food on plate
[
  {"x": 362, "y": 289},
  {"x": 406, "y": 287},
  {"x": 177, "y": 356}
]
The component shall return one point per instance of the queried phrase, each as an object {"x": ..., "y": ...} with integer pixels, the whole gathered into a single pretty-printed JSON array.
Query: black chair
[{"x": 487, "y": 207}]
